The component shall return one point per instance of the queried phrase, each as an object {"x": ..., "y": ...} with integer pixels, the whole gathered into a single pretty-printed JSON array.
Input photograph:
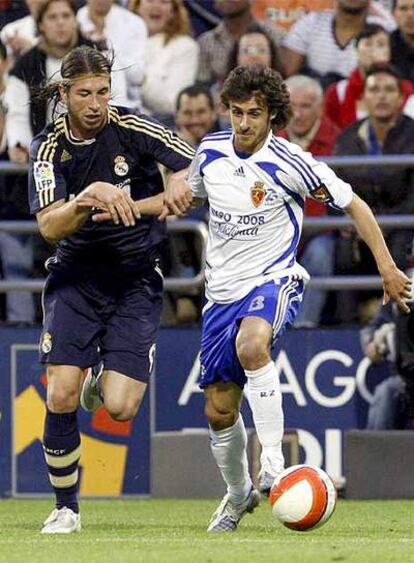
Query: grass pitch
[{"x": 174, "y": 531}]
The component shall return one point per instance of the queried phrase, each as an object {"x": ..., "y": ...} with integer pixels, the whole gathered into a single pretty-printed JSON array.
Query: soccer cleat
[
  {"x": 62, "y": 521},
  {"x": 266, "y": 481},
  {"x": 90, "y": 398},
  {"x": 228, "y": 515}
]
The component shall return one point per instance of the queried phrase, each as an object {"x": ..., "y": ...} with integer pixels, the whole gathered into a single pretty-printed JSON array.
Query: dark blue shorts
[
  {"x": 276, "y": 301},
  {"x": 110, "y": 319}
]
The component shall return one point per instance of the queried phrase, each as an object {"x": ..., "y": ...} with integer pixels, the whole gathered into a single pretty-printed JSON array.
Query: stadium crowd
[{"x": 349, "y": 68}]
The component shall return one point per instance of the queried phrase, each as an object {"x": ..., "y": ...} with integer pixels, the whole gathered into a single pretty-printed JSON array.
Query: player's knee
[
  {"x": 121, "y": 410},
  {"x": 220, "y": 418},
  {"x": 61, "y": 400},
  {"x": 252, "y": 352}
]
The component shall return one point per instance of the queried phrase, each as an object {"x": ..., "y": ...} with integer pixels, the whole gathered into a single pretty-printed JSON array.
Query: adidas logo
[
  {"x": 65, "y": 156},
  {"x": 239, "y": 172}
]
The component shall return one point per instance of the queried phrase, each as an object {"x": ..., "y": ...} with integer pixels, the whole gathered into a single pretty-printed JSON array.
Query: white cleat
[
  {"x": 90, "y": 398},
  {"x": 62, "y": 521},
  {"x": 228, "y": 515},
  {"x": 266, "y": 481}
]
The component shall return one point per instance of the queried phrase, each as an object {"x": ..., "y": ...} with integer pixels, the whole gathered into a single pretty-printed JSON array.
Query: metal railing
[
  {"x": 311, "y": 224},
  {"x": 170, "y": 284}
]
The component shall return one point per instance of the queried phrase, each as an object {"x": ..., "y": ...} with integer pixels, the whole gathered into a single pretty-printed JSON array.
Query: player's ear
[{"x": 63, "y": 92}]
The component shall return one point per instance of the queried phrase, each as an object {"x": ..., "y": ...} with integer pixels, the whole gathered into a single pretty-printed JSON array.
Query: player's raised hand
[
  {"x": 177, "y": 196},
  {"x": 116, "y": 205},
  {"x": 398, "y": 288}
]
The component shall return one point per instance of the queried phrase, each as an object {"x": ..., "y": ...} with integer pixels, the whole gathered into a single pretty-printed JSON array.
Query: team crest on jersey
[
  {"x": 321, "y": 194},
  {"x": 257, "y": 193},
  {"x": 121, "y": 167},
  {"x": 46, "y": 344}
]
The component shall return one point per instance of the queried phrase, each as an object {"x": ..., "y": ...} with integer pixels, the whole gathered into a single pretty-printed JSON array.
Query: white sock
[
  {"x": 229, "y": 451},
  {"x": 265, "y": 399}
]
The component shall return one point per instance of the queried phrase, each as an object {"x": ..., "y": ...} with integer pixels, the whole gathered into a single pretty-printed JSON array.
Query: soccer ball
[{"x": 302, "y": 497}]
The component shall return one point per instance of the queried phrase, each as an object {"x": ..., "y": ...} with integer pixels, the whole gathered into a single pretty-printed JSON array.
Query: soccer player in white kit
[{"x": 256, "y": 185}]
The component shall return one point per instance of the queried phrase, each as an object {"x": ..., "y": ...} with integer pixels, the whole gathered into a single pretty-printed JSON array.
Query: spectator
[
  {"x": 284, "y": 13},
  {"x": 254, "y": 46},
  {"x": 195, "y": 115},
  {"x": 115, "y": 28},
  {"x": 378, "y": 344},
  {"x": 216, "y": 44},
  {"x": 16, "y": 255},
  {"x": 172, "y": 55},
  {"x": 323, "y": 42},
  {"x": 402, "y": 39},
  {"x": 385, "y": 339},
  {"x": 316, "y": 133},
  {"x": 344, "y": 101},
  {"x": 58, "y": 34},
  {"x": 21, "y": 35},
  {"x": 388, "y": 190}
]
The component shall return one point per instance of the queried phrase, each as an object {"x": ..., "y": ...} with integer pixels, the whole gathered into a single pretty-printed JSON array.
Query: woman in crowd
[
  {"x": 255, "y": 47},
  {"x": 172, "y": 54}
]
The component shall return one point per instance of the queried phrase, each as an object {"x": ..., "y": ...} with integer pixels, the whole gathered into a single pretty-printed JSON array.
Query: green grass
[{"x": 174, "y": 531}]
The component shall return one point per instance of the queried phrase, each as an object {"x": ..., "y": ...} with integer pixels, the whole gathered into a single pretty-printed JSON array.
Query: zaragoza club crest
[{"x": 257, "y": 193}]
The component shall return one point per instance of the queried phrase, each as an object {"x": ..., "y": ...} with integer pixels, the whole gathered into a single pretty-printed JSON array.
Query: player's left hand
[
  {"x": 177, "y": 196},
  {"x": 102, "y": 215},
  {"x": 397, "y": 287}
]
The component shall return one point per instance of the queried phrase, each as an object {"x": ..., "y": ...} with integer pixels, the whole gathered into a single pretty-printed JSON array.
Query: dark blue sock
[{"x": 61, "y": 445}]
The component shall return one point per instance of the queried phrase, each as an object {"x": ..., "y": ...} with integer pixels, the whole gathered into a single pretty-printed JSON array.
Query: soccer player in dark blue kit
[{"x": 96, "y": 190}]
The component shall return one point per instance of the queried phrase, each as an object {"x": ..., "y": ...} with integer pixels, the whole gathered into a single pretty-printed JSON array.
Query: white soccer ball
[{"x": 302, "y": 497}]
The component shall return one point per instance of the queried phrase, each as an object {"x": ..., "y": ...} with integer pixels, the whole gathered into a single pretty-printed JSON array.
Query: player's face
[
  {"x": 87, "y": 103},
  {"x": 404, "y": 15},
  {"x": 373, "y": 50},
  {"x": 58, "y": 25},
  {"x": 250, "y": 121},
  {"x": 195, "y": 116},
  {"x": 254, "y": 48},
  {"x": 156, "y": 14},
  {"x": 382, "y": 97},
  {"x": 306, "y": 108}
]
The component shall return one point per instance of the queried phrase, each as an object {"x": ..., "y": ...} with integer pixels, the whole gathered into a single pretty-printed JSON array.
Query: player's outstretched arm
[{"x": 397, "y": 286}]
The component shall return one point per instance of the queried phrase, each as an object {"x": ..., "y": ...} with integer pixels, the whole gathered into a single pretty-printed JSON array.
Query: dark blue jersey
[{"x": 125, "y": 153}]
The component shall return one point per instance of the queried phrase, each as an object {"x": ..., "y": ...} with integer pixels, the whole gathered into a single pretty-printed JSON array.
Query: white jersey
[{"x": 256, "y": 210}]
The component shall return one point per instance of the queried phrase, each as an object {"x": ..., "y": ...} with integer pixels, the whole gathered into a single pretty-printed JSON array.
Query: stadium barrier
[
  {"x": 371, "y": 459},
  {"x": 326, "y": 389},
  {"x": 311, "y": 224}
]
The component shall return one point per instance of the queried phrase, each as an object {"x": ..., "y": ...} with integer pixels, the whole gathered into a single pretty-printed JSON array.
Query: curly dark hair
[{"x": 264, "y": 84}]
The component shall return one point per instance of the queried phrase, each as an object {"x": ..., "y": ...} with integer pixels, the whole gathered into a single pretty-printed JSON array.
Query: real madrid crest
[
  {"x": 121, "y": 167},
  {"x": 257, "y": 193},
  {"x": 46, "y": 343}
]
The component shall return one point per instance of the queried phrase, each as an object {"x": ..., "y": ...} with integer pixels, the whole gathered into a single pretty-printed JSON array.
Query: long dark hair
[{"x": 78, "y": 62}]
